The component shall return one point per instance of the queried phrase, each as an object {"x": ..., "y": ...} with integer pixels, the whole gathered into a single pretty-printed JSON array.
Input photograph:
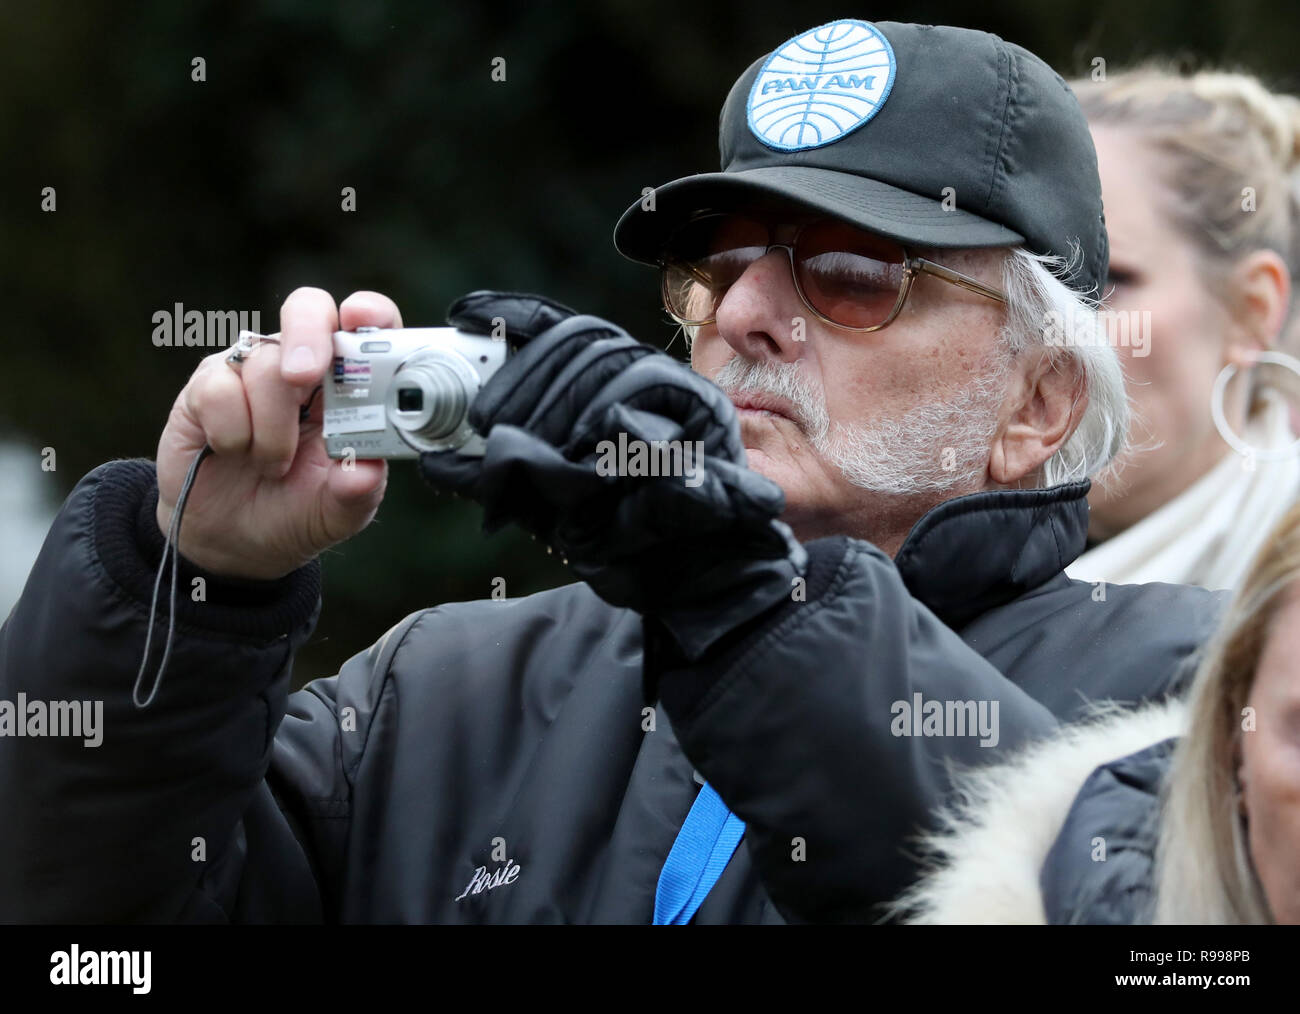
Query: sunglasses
[{"x": 847, "y": 277}]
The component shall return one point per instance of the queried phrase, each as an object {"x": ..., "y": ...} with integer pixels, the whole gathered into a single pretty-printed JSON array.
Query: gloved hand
[{"x": 702, "y": 558}]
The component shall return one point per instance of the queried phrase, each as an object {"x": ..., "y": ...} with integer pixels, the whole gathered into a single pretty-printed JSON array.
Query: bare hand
[{"x": 269, "y": 499}]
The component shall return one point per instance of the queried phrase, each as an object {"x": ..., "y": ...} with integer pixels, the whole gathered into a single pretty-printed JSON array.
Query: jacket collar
[{"x": 973, "y": 553}]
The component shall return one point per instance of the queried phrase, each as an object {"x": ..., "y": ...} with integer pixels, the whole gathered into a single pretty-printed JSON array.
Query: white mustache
[
  {"x": 783, "y": 380},
  {"x": 888, "y": 454}
]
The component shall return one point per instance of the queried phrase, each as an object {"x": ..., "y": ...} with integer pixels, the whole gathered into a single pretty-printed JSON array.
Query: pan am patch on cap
[{"x": 821, "y": 85}]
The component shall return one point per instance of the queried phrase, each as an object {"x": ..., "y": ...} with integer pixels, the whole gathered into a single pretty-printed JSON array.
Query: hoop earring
[{"x": 1221, "y": 421}]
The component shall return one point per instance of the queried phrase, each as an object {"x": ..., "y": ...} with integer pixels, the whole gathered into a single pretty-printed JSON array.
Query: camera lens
[
  {"x": 429, "y": 397},
  {"x": 410, "y": 399}
]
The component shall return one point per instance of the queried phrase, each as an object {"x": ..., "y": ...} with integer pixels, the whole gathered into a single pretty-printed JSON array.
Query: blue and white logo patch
[{"x": 821, "y": 85}]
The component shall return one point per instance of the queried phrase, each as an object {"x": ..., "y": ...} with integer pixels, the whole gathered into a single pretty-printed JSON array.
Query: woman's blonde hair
[
  {"x": 1203, "y": 870},
  {"x": 1229, "y": 157}
]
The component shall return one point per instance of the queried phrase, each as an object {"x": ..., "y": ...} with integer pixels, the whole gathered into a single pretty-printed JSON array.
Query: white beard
[{"x": 933, "y": 448}]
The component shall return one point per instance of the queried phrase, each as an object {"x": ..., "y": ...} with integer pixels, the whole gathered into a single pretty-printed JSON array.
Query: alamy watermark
[
  {"x": 1120, "y": 329},
  {"x": 182, "y": 328},
  {"x": 651, "y": 458},
  {"x": 919, "y": 717},
  {"x": 82, "y": 720},
  {"x": 75, "y": 967}
]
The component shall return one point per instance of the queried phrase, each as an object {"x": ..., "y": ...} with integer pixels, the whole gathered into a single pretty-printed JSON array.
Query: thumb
[{"x": 351, "y": 496}]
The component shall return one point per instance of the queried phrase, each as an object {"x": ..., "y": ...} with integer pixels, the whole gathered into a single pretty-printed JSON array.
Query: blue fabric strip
[{"x": 704, "y": 846}]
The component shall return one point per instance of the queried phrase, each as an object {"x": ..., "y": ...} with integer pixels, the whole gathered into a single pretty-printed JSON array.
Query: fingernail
[{"x": 300, "y": 360}]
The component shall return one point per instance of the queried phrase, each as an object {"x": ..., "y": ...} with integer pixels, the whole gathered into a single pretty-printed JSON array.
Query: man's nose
[{"x": 759, "y": 314}]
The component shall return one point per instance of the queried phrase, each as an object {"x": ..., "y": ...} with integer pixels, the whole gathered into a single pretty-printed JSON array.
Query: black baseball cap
[{"x": 930, "y": 135}]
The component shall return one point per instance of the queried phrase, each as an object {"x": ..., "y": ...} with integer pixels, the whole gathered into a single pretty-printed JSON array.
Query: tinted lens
[
  {"x": 849, "y": 276},
  {"x": 704, "y": 258}
]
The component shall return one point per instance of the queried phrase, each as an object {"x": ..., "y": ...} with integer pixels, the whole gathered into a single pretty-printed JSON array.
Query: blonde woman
[
  {"x": 1200, "y": 825},
  {"x": 1199, "y": 181}
]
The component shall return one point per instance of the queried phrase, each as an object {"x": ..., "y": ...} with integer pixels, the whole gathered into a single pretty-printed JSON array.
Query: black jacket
[
  {"x": 505, "y": 743},
  {"x": 1119, "y": 803}
]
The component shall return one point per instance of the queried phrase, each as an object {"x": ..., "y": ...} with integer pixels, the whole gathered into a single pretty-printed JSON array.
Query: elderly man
[{"x": 752, "y": 699}]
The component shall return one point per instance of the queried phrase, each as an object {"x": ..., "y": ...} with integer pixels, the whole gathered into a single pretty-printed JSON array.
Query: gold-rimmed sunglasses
[{"x": 847, "y": 277}]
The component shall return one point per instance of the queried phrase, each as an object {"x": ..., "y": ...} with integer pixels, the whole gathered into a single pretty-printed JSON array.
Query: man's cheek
[
  {"x": 796, "y": 473},
  {"x": 758, "y": 433},
  {"x": 771, "y": 462},
  {"x": 708, "y": 352}
]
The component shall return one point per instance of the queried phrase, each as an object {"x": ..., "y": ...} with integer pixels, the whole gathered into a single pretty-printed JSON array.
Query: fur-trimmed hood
[{"x": 984, "y": 861}]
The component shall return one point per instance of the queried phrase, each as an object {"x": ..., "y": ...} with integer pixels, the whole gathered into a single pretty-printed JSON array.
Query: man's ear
[
  {"x": 1040, "y": 415},
  {"x": 1261, "y": 295}
]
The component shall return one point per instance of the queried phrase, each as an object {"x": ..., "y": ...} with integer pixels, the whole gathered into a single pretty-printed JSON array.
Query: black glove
[{"x": 701, "y": 559}]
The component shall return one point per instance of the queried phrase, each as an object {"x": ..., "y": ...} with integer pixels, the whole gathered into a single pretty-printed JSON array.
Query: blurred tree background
[{"x": 225, "y": 195}]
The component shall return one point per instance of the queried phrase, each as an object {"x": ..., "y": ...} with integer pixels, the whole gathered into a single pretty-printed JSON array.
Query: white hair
[{"x": 1043, "y": 311}]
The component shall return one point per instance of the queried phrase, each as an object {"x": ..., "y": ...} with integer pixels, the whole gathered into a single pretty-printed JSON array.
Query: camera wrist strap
[{"x": 169, "y": 552}]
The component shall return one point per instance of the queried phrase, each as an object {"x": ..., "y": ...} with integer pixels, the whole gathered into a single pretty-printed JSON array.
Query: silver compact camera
[{"x": 396, "y": 393}]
